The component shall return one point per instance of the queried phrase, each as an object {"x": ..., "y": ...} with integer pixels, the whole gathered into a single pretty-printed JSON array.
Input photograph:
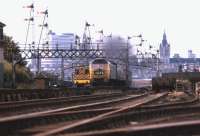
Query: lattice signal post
[
  {"x": 77, "y": 54},
  {"x": 61, "y": 53}
]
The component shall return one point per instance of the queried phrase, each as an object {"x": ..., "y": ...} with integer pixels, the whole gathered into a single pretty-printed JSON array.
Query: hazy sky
[{"x": 179, "y": 18}]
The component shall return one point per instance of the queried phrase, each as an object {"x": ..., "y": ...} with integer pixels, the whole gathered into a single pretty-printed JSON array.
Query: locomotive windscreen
[
  {"x": 99, "y": 72},
  {"x": 100, "y": 61}
]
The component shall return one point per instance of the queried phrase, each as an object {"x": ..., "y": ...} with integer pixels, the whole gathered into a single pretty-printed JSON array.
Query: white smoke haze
[
  {"x": 115, "y": 47},
  {"x": 116, "y": 51}
]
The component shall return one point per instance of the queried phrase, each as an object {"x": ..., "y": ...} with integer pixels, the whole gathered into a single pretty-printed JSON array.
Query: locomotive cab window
[
  {"x": 99, "y": 72},
  {"x": 86, "y": 71},
  {"x": 76, "y": 71}
]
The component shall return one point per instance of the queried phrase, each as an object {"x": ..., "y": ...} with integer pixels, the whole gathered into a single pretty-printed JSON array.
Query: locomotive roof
[{"x": 100, "y": 61}]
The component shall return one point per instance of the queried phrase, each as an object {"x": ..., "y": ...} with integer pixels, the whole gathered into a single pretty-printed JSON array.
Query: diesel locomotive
[{"x": 100, "y": 72}]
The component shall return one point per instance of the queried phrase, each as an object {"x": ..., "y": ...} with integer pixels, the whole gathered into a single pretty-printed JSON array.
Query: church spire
[
  {"x": 164, "y": 40},
  {"x": 164, "y": 49},
  {"x": 164, "y": 36}
]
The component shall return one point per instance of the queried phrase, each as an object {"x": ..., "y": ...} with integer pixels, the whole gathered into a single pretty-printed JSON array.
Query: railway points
[
  {"x": 100, "y": 117},
  {"x": 166, "y": 121},
  {"x": 94, "y": 84},
  {"x": 22, "y": 107},
  {"x": 109, "y": 114},
  {"x": 12, "y": 121},
  {"x": 183, "y": 128}
]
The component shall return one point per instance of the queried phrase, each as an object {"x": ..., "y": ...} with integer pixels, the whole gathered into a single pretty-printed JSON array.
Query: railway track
[
  {"x": 114, "y": 117},
  {"x": 78, "y": 125},
  {"x": 167, "y": 102},
  {"x": 14, "y": 123},
  {"x": 21, "y": 107},
  {"x": 183, "y": 128},
  {"x": 159, "y": 121}
]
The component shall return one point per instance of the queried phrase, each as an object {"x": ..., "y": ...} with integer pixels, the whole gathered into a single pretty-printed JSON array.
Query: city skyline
[{"x": 131, "y": 17}]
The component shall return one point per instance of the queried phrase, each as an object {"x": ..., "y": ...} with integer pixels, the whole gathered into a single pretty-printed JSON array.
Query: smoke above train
[
  {"x": 115, "y": 48},
  {"x": 116, "y": 51}
]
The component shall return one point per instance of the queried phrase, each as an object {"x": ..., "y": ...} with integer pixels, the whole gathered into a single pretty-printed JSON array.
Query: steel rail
[
  {"x": 183, "y": 128},
  {"x": 12, "y": 123},
  {"x": 77, "y": 107},
  {"x": 100, "y": 117},
  {"x": 139, "y": 118},
  {"x": 23, "y": 107}
]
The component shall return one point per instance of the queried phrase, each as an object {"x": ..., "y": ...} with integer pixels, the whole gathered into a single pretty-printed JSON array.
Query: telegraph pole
[
  {"x": 43, "y": 25},
  {"x": 157, "y": 61},
  {"x": 31, "y": 20},
  {"x": 62, "y": 70},
  {"x": 127, "y": 61}
]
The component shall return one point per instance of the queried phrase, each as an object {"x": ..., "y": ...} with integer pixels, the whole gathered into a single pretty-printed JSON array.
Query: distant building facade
[
  {"x": 164, "y": 50},
  {"x": 191, "y": 55},
  {"x": 176, "y": 55},
  {"x": 167, "y": 64},
  {"x": 63, "y": 41}
]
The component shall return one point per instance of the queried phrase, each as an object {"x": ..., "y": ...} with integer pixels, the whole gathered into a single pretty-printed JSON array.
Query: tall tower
[{"x": 164, "y": 50}]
